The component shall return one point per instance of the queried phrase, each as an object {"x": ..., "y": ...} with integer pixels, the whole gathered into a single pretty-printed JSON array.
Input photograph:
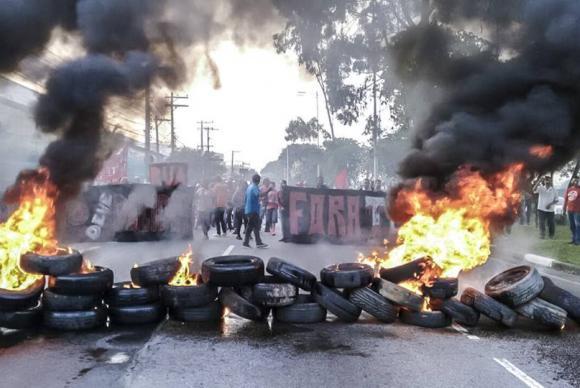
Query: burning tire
[
  {"x": 240, "y": 306},
  {"x": 22, "y": 299},
  {"x": 56, "y": 265},
  {"x": 274, "y": 293},
  {"x": 126, "y": 294},
  {"x": 233, "y": 271},
  {"x": 561, "y": 298},
  {"x": 188, "y": 296},
  {"x": 408, "y": 271},
  {"x": 516, "y": 286},
  {"x": 155, "y": 272},
  {"x": 60, "y": 302},
  {"x": 348, "y": 275},
  {"x": 291, "y": 273},
  {"x": 336, "y": 303},
  {"x": 374, "y": 304},
  {"x": 92, "y": 283},
  {"x": 137, "y": 315},
  {"x": 427, "y": 319},
  {"x": 75, "y": 320},
  {"x": 544, "y": 313},
  {"x": 460, "y": 312},
  {"x": 305, "y": 311},
  {"x": 21, "y": 320},
  {"x": 209, "y": 313},
  {"x": 399, "y": 295},
  {"x": 489, "y": 307},
  {"x": 442, "y": 288}
]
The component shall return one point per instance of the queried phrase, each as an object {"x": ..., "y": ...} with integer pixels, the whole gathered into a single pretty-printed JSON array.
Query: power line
[{"x": 172, "y": 105}]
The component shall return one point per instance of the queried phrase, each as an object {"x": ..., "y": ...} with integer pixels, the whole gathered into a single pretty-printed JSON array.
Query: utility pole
[
  {"x": 209, "y": 129},
  {"x": 148, "y": 125},
  {"x": 375, "y": 126},
  {"x": 158, "y": 121},
  {"x": 232, "y": 167},
  {"x": 172, "y": 105},
  {"x": 202, "y": 127}
]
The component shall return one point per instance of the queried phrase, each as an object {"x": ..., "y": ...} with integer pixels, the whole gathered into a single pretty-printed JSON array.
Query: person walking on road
[
  {"x": 220, "y": 191},
  {"x": 252, "y": 211},
  {"x": 205, "y": 206},
  {"x": 238, "y": 202},
  {"x": 546, "y": 201},
  {"x": 284, "y": 211},
  {"x": 272, "y": 210},
  {"x": 572, "y": 206}
]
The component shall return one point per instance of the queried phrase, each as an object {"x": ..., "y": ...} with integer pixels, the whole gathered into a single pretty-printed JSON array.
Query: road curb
[{"x": 549, "y": 263}]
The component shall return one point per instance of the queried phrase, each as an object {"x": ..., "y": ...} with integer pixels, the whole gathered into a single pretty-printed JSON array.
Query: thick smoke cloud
[{"x": 496, "y": 110}]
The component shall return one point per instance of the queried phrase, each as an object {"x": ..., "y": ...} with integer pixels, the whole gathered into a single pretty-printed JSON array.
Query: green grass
[{"x": 558, "y": 248}]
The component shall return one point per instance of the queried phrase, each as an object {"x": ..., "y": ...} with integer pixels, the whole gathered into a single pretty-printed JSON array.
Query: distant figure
[
  {"x": 378, "y": 185},
  {"x": 366, "y": 185},
  {"x": 527, "y": 204},
  {"x": 252, "y": 211},
  {"x": 572, "y": 206},
  {"x": 205, "y": 206},
  {"x": 320, "y": 184},
  {"x": 546, "y": 201},
  {"x": 272, "y": 210},
  {"x": 238, "y": 203},
  {"x": 220, "y": 191},
  {"x": 284, "y": 211}
]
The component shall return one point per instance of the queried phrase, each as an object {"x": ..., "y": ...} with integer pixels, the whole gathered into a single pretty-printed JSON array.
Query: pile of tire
[
  {"x": 138, "y": 302},
  {"x": 22, "y": 309},
  {"x": 73, "y": 299},
  {"x": 523, "y": 291}
]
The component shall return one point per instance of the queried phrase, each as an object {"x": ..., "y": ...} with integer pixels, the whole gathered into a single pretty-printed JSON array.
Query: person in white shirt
[{"x": 546, "y": 201}]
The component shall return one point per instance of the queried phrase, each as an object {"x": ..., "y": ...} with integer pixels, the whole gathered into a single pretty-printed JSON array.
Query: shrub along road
[{"x": 242, "y": 353}]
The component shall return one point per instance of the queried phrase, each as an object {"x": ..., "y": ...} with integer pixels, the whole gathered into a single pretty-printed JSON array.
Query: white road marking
[
  {"x": 228, "y": 250},
  {"x": 118, "y": 358},
  {"x": 457, "y": 327},
  {"x": 514, "y": 370}
]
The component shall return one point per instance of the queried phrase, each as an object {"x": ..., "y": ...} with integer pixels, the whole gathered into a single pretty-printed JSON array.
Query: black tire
[
  {"x": 347, "y": 275},
  {"x": 561, "y": 298},
  {"x": 240, "y": 306},
  {"x": 232, "y": 271},
  {"x": 398, "y": 295},
  {"x": 21, "y": 320},
  {"x": 373, "y": 303},
  {"x": 176, "y": 297},
  {"x": 460, "y": 312},
  {"x": 516, "y": 286},
  {"x": 427, "y": 319},
  {"x": 291, "y": 273},
  {"x": 442, "y": 288},
  {"x": 155, "y": 273},
  {"x": 137, "y": 315},
  {"x": 75, "y": 320},
  {"x": 274, "y": 293},
  {"x": 408, "y": 271},
  {"x": 23, "y": 299},
  {"x": 544, "y": 313},
  {"x": 305, "y": 310},
  {"x": 125, "y": 294},
  {"x": 58, "y": 302},
  {"x": 334, "y": 302},
  {"x": 212, "y": 312},
  {"x": 52, "y": 265},
  {"x": 97, "y": 282},
  {"x": 489, "y": 307}
]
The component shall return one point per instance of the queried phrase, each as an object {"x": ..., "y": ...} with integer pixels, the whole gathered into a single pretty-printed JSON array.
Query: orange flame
[
  {"x": 184, "y": 277},
  {"x": 454, "y": 229},
  {"x": 541, "y": 151},
  {"x": 31, "y": 228}
]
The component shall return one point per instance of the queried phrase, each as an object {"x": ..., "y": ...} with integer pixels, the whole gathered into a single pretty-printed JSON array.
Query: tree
[
  {"x": 299, "y": 130},
  {"x": 201, "y": 165}
]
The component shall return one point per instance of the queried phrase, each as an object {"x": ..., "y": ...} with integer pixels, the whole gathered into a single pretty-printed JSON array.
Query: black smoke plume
[{"x": 523, "y": 91}]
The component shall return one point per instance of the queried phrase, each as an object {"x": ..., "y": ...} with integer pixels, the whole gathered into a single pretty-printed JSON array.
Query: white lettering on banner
[
  {"x": 375, "y": 203},
  {"x": 100, "y": 217}
]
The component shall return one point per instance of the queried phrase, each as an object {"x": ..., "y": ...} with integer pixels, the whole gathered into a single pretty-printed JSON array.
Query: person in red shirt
[{"x": 572, "y": 206}]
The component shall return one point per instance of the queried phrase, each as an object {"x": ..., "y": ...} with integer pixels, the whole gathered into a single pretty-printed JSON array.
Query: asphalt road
[{"x": 247, "y": 354}]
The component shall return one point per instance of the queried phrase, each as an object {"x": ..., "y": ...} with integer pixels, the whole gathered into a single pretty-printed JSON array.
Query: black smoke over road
[{"x": 496, "y": 107}]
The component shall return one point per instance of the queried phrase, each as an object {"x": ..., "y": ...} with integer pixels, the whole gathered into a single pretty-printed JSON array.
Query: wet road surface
[{"x": 248, "y": 354}]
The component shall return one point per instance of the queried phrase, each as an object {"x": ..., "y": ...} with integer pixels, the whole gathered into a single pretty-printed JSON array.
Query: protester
[
  {"x": 320, "y": 183},
  {"x": 264, "y": 190},
  {"x": 252, "y": 211},
  {"x": 284, "y": 212},
  {"x": 527, "y": 206},
  {"x": 238, "y": 203},
  {"x": 546, "y": 201},
  {"x": 220, "y": 192},
  {"x": 205, "y": 206},
  {"x": 272, "y": 210},
  {"x": 378, "y": 185},
  {"x": 572, "y": 206},
  {"x": 230, "y": 208}
]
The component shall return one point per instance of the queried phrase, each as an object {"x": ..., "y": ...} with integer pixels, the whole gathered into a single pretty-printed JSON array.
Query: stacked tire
[
  {"x": 22, "y": 310},
  {"x": 73, "y": 299},
  {"x": 194, "y": 303},
  {"x": 138, "y": 302},
  {"x": 521, "y": 288}
]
